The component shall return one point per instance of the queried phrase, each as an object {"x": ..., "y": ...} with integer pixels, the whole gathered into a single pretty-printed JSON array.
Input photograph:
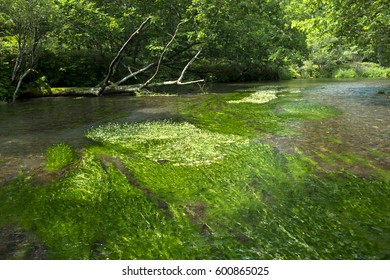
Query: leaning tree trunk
[
  {"x": 20, "y": 83},
  {"x": 116, "y": 60},
  {"x": 109, "y": 87}
]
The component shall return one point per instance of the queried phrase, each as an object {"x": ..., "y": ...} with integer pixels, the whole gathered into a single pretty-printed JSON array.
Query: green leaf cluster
[{"x": 343, "y": 32}]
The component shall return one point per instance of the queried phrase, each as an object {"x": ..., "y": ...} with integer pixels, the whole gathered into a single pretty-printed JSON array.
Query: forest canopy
[{"x": 71, "y": 43}]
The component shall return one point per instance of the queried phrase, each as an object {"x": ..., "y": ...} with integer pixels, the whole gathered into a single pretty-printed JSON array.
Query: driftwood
[
  {"x": 131, "y": 89},
  {"x": 150, "y": 65},
  {"x": 161, "y": 58},
  {"x": 108, "y": 87}
]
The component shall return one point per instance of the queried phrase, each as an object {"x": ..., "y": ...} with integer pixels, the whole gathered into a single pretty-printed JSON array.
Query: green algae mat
[{"x": 202, "y": 186}]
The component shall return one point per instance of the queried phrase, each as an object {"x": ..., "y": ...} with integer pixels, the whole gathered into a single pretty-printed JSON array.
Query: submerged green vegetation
[
  {"x": 253, "y": 114},
  {"x": 203, "y": 187},
  {"x": 59, "y": 156},
  {"x": 166, "y": 141}
]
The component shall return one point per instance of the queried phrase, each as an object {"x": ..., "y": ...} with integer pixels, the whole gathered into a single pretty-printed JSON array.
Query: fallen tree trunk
[
  {"x": 147, "y": 67},
  {"x": 132, "y": 89},
  {"x": 92, "y": 91},
  {"x": 113, "y": 89}
]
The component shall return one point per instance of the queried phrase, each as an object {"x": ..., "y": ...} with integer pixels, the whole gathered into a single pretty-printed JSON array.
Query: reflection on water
[{"x": 28, "y": 127}]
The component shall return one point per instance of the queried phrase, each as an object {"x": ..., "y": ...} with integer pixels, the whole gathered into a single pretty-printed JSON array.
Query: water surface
[
  {"x": 28, "y": 127},
  {"x": 362, "y": 129}
]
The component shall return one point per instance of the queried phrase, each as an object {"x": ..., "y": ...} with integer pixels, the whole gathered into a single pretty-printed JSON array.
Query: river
[
  {"x": 29, "y": 126},
  {"x": 362, "y": 129}
]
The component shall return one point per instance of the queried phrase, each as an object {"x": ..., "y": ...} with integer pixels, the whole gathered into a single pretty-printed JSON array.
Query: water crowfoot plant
[
  {"x": 179, "y": 143},
  {"x": 59, "y": 156},
  {"x": 259, "y": 97}
]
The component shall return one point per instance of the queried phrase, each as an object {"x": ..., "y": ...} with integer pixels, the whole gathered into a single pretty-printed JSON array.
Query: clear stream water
[
  {"x": 28, "y": 127},
  {"x": 363, "y": 128}
]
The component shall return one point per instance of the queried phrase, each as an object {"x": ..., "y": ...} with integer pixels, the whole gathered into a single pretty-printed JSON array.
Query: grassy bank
[{"x": 202, "y": 188}]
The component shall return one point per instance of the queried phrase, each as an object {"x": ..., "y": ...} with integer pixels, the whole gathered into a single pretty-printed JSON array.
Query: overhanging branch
[
  {"x": 117, "y": 58},
  {"x": 147, "y": 67},
  {"x": 162, "y": 57}
]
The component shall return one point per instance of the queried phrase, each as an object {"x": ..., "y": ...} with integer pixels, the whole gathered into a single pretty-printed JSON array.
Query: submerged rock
[{"x": 18, "y": 244}]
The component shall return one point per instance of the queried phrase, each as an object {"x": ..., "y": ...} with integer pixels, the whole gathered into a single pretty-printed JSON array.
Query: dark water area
[{"x": 29, "y": 126}]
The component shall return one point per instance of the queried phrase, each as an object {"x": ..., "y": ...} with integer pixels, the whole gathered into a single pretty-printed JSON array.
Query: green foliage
[
  {"x": 6, "y": 88},
  {"x": 59, "y": 156},
  {"x": 27, "y": 23},
  {"x": 251, "y": 38},
  {"x": 309, "y": 69},
  {"x": 7, "y": 52},
  {"x": 86, "y": 26},
  {"x": 343, "y": 32},
  {"x": 289, "y": 73},
  {"x": 84, "y": 68},
  {"x": 240, "y": 40},
  {"x": 364, "y": 70},
  {"x": 345, "y": 73},
  {"x": 372, "y": 70}
]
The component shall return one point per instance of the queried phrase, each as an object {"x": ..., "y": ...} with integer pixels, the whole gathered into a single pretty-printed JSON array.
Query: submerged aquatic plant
[
  {"x": 59, "y": 156},
  {"x": 95, "y": 213},
  {"x": 256, "y": 203},
  {"x": 243, "y": 113},
  {"x": 179, "y": 143},
  {"x": 259, "y": 97},
  {"x": 167, "y": 190}
]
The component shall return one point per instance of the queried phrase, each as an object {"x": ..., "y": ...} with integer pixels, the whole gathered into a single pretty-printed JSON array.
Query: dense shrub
[
  {"x": 308, "y": 70},
  {"x": 364, "y": 70},
  {"x": 372, "y": 70},
  {"x": 5, "y": 82},
  {"x": 345, "y": 73}
]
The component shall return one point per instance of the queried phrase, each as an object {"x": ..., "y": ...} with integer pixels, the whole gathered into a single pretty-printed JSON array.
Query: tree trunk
[
  {"x": 19, "y": 84},
  {"x": 116, "y": 60},
  {"x": 92, "y": 91}
]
